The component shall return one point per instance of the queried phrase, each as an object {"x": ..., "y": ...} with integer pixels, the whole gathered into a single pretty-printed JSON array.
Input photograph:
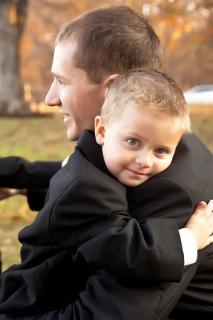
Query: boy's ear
[
  {"x": 108, "y": 82},
  {"x": 99, "y": 130}
]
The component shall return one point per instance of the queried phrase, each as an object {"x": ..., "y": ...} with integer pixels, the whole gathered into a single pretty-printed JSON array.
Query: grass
[
  {"x": 34, "y": 138},
  {"x": 44, "y": 138},
  {"x": 41, "y": 138}
]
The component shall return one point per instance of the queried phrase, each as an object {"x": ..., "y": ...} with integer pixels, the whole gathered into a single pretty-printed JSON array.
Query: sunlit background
[{"x": 185, "y": 29}]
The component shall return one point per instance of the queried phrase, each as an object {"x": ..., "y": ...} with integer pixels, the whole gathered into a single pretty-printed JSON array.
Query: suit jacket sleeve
[
  {"x": 16, "y": 172},
  {"x": 36, "y": 198},
  {"x": 138, "y": 253},
  {"x": 129, "y": 249},
  {"x": 175, "y": 203},
  {"x": 91, "y": 219}
]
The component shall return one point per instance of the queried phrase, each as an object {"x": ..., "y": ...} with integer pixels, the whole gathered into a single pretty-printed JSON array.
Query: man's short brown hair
[{"x": 112, "y": 40}]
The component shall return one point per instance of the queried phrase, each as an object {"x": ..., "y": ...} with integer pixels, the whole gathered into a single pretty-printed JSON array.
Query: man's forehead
[
  {"x": 63, "y": 56},
  {"x": 66, "y": 48}
]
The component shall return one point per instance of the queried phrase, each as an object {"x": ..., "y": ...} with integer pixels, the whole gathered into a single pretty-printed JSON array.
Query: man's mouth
[{"x": 65, "y": 115}]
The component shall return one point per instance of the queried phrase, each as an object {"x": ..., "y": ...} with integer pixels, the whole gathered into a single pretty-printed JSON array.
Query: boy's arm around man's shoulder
[
  {"x": 148, "y": 243},
  {"x": 91, "y": 219}
]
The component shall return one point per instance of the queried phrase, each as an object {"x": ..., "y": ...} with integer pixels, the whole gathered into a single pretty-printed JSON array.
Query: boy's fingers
[
  {"x": 210, "y": 239},
  {"x": 205, "y": 208},
  {"x": 209, "y": 208},
  {"x": 202, "y": 205},
  {"x": 201, "y": 208}
]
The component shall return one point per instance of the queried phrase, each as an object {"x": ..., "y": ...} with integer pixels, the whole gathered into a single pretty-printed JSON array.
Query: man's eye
[
  {"x": 61, "y": 82},
  {"x": 134, "y": 142}
]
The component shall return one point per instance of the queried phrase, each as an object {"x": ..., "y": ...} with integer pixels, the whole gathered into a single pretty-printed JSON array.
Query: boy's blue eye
[
  {"x": 161, "y": 151},
  {"x": 133, "y": 142}
]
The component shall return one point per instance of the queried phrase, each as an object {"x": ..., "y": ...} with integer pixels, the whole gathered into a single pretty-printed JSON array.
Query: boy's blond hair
[{"x": 149, "y": 89}]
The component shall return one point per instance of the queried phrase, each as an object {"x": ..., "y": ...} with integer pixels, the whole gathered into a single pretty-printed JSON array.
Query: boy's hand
[{"x": 201, "y": 224}]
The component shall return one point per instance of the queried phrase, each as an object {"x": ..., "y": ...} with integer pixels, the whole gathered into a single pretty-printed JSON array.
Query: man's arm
[
  {"x": 16, "y": 172},
  {"x": 19, "y": 176}
]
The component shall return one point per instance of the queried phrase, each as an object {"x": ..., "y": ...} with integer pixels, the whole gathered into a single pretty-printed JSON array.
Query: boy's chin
[{"x": 134, "y": 183}]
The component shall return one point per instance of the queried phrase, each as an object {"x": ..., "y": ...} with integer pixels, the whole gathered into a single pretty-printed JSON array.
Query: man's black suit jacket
[{"x": 172, "y": 194}]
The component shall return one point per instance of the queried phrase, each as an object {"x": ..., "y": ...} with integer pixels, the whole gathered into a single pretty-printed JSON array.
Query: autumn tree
[
  {"x": 38, "y": 42},
  {"x": 184, "y": 27},
  {"x": 185, "y": 30},
  {"x": 12, "y": 19}
]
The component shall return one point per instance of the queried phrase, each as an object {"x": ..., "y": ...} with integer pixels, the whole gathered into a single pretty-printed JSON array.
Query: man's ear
[
  {"x": 99, "y": 130},
  {"x": 108, "y": 82}
]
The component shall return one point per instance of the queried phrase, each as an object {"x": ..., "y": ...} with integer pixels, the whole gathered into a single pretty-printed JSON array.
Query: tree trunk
[{"x": 12, "y": 18}]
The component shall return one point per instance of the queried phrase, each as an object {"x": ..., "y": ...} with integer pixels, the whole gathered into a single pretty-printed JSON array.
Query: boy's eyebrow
[
  {"x": 135, "y": 134},
  {"x": 166, "y": 147}
]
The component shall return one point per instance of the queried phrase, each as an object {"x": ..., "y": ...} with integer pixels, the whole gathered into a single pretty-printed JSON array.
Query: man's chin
[{"x": 72, "y": 136}]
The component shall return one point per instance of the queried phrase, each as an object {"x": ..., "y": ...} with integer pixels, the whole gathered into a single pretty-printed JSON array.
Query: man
[{"x": 80, "y": 81}]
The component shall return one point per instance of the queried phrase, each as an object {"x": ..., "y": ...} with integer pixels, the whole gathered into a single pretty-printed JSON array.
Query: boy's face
[
  {"x": 79, "y": 100},
  {"x": 138, "y": 144}
]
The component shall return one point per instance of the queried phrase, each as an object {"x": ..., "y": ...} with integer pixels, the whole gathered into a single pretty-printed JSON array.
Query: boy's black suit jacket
[
  {"x": 172, "y": 194},
  {"x": 84, "y": 203}
]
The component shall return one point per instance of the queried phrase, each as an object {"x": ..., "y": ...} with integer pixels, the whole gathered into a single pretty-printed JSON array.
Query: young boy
[
  {"x": 138, "y": 142},
  {"x": 143, "y": 118}
]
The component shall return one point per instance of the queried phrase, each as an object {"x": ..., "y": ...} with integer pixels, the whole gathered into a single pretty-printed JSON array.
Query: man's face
[
  {"x": 138, "y": 144},
  {"x": 79, "y": 100}
]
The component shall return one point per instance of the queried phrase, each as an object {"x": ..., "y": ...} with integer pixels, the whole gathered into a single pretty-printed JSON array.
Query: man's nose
[
  {"x": 144, "y": 158},
  {"x": 52, "y": 98}
]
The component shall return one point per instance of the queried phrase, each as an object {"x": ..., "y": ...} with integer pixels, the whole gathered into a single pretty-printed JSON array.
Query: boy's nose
[{"x": 144, "y": 158}]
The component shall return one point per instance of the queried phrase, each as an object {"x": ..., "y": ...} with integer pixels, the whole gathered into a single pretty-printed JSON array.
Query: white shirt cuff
[{"x": 189, "y": 246}]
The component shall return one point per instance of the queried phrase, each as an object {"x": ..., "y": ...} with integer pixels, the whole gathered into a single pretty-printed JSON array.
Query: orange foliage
[{"x": 184, "y": 29}]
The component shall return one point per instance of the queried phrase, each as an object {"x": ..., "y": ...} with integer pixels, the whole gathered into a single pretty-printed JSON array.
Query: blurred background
[{"x": 27, "y": 32}]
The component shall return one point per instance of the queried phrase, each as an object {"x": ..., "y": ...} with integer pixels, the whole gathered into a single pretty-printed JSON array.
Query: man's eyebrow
[{"x": 58, "y": 76}]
